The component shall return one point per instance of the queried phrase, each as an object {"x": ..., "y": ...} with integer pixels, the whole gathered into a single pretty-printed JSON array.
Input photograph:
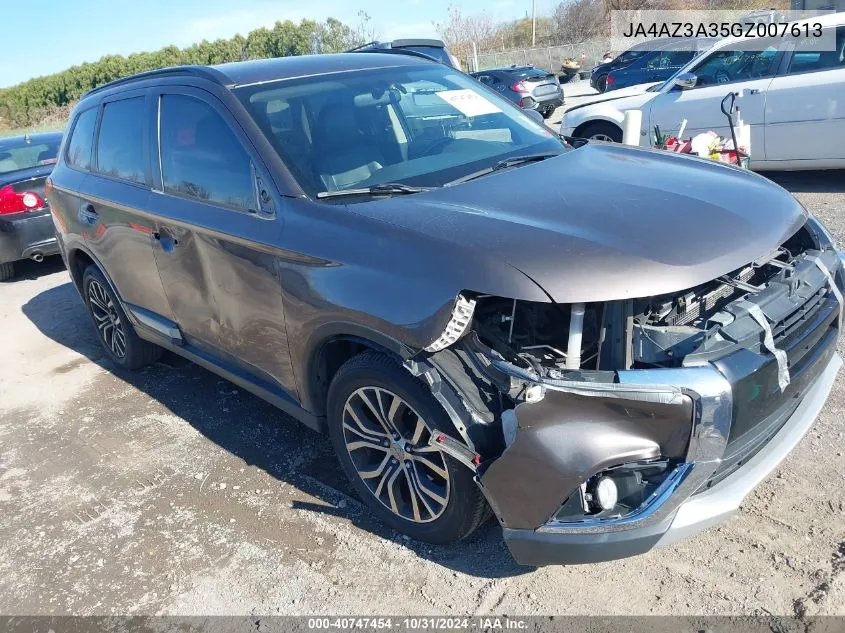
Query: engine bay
[{"x": 553, "y": 340}]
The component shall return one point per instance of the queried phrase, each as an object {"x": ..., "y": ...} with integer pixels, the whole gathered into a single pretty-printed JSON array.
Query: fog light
[{"x": 606, "y": 493}]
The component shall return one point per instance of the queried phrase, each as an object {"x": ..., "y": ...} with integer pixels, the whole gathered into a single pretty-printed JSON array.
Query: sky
[{"x": 50, "y": 35}]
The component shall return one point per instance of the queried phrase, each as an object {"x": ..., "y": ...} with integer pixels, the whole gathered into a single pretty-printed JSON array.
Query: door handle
[
  {"x": 754, "y": 91},
  {"x": 165, "y": 240},
  {"x": 87, "y": 213}
]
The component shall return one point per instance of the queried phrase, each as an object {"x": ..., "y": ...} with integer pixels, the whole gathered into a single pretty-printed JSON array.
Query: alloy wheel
[
  {"x": 602, "y": 137},
  {"x": 388, "y": 443},
  {"x": 107, "y": 319}
]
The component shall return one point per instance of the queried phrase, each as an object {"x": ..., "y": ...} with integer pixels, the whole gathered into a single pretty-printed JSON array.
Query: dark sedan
[
  {"x": 657, "y": 65},
  {"x": 26, "y": 229},
  {"x": 654, "y": 60},
  {"x": 528, "y": 87}
]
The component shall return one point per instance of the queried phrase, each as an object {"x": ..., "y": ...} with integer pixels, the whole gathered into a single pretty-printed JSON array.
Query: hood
[
  {"x": 606, "y": 221},
  {"x": 636, "y": 96}
]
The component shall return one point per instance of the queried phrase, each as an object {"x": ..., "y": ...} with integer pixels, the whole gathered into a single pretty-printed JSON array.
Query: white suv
[{"x": 791, "y": 93}]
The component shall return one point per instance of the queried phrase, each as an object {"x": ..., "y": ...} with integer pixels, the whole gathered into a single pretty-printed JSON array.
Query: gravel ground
[{"x": 170, "y": 491}]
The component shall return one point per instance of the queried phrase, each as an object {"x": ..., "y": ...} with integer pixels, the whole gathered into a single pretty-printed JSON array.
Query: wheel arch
[
  {"x": 329, "y": 347},
  {"x": 598, "y": 119}
]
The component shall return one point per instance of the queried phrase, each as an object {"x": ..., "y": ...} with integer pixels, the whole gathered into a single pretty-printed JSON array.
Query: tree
[
  {"x": 578, "y": 21},
  {"x": 459, "y": 31},
  {"x": 33, "y": 100}
]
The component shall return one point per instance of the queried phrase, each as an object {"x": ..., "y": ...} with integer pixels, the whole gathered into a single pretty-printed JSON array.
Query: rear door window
[
  {"x": 26, "y": 155},
  {"x": 82, "y": 140},
  {"x": 201, "y": 157},
  {"x": 120, "y": 144}
]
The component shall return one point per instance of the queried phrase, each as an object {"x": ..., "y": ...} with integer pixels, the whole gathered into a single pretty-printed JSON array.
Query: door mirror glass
[{"x": 685, "y": 81}]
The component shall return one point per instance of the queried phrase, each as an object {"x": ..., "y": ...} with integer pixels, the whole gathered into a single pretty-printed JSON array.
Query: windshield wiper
[
  {"x": 513, "y": 161},
  {"x": 387, "y": 189}
]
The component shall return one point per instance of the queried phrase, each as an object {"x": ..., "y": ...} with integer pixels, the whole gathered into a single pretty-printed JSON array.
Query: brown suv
[{"x": 371, "y": 242}]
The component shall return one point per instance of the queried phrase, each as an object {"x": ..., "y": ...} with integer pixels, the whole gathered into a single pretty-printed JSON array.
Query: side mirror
[
  {"x": 685, "y": 81},
  {"x": 538, "y": 118}
]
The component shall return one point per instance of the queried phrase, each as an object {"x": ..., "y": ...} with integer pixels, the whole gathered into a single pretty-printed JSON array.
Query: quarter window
[
  {"x": 201, "y": 157},
  {"x": 82, "y": 140},
  {"x": 120, "y": 150}
]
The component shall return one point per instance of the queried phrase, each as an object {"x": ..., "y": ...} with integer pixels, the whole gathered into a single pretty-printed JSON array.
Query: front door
[
  {"x": 213, "y": 241},
  {"x": 746, "y": 68}
]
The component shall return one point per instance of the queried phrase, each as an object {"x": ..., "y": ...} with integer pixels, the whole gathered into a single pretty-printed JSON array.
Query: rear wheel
[
  {"x": 602, "y": 131},
  {"x": 7, "y": 271},
  {"x": 380, "y": 421},
  {"x": 125, "y": 348}
]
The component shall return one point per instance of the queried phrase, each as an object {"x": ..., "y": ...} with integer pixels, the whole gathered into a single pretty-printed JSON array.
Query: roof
[
  {"x": 399, "y": 44},
  {"x": 261, "y": 70},
  {"x": 256, "y": 71},
  {"x": 34, "y": 139}
]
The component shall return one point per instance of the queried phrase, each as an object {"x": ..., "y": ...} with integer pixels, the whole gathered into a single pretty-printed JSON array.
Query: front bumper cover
[{"x": 680, "y": 508}]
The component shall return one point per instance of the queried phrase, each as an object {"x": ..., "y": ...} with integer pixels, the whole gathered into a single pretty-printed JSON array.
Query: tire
[
  {"x": 7, "y": 271},
  {"x": 548, "y": 112},
  {"x": 382, "y": 379},
  {"x": 115, "y": 332},
  {"x": 601, "y": 131},
  {"x": 601, "y": 83}
]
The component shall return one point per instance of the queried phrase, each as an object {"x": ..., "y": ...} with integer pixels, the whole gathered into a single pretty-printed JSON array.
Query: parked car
[
  {"x": 605, "y": 374},
  {"x": 433, "y": 49},
  {"x": 598, "y": 76},
  {"x": 528, "y": 87},
  {"x": 26, "y": 231},
  {"x": 791, "y": 93},
  {"x": 656, "y": 65}
]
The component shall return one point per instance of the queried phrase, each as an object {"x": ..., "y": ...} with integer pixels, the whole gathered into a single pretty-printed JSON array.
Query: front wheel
[
  {"x": 602, "y": 131},
  {"x": 117, "y": 336},
  {"x": 380, "y": 421},
  {"x": 601, "y": 83}
]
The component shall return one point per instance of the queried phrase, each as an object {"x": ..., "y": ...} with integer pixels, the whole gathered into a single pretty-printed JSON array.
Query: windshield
[
  {"x": 24, "y": 155},
  {"x": 629, "y": 56},
  {"x": 422, "y": 126}
]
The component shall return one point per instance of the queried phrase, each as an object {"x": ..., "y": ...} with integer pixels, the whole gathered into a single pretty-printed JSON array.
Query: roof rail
[
  {"x": 357, "y": 48},
  {"x": 204, "y": 72}
]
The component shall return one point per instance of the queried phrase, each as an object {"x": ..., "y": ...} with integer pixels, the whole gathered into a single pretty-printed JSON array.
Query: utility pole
[{"x": 533, "y": 23}]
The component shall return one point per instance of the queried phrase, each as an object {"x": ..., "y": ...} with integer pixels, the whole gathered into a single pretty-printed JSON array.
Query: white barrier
[{"x": 631, "y": 125}]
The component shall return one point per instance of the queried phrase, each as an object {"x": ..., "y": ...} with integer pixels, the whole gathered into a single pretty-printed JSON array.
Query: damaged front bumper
[
  {"x": 688, "y": 501},
  {"x": 720, "y": 426}
]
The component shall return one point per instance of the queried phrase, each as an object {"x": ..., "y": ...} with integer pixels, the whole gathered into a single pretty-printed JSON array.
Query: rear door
[
  {"x": 805, "y": 107},
  {"x": 114, "y": 210},
  {"x": 748, "y": 67},
  {"x": 214, "y": 237}
]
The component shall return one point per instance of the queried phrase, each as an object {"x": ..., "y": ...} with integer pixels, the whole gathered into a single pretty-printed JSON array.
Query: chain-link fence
[{"x": 586, "y": 53}]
